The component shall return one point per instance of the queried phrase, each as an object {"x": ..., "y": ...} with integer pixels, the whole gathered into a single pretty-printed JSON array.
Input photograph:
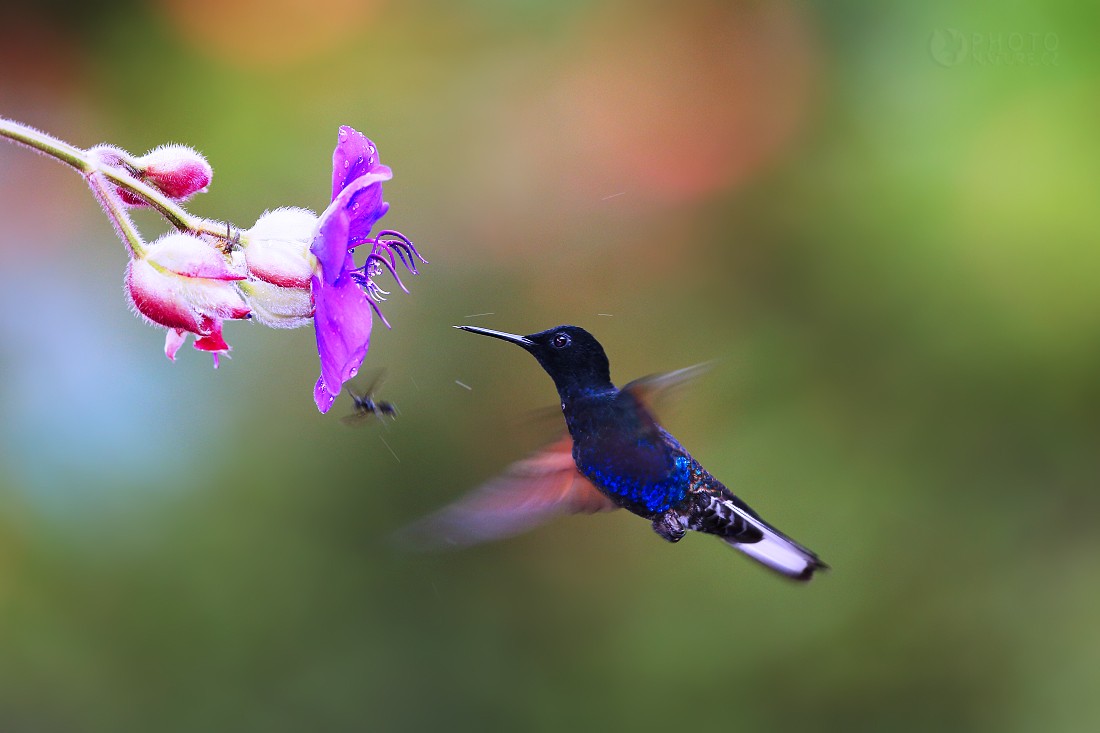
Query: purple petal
[
  {"x": 330, "y": 246},
  {"x": 365, "y": 207},
  {"x": 358, "y": 206},
  {"x": 322, "y": 396},
  {"x": 361, "y": 201},
  {"x": 343, "y": 323},
  {"x": 354, "y": 157}
]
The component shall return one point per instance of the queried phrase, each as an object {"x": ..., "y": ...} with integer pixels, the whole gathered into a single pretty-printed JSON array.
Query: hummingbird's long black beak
[{"x": 523, "y": 341}]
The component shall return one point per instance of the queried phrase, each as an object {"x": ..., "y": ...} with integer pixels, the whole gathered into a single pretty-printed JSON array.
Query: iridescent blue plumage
[
  {"x": 620, "y": 457},
  {"x": 643, "y": 497}
]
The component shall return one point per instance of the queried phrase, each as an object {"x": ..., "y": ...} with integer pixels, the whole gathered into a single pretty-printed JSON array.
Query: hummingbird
[{"x": 615, "y": 455}]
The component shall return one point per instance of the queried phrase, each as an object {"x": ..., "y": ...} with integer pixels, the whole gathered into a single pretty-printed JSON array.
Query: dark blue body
[{"x": 619, "y": 447}]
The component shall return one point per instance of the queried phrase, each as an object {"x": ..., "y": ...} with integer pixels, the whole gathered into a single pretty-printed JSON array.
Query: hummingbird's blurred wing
[
  {"x": 652, "y": 389},
  {"x": 530, "y": 492}
]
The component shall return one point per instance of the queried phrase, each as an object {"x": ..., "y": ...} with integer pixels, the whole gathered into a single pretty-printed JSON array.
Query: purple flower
[{"x": 345, "y": 296}]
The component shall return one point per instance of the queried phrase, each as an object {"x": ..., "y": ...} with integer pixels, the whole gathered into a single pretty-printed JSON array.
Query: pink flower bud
[
  {"x": 280, "y": 265},
  {"x": 184, "y": 284},
  {"x": 177, "y": 171}
]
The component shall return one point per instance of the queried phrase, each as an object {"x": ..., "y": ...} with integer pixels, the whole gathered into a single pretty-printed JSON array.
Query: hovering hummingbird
[{"x": 615, "y": 455}]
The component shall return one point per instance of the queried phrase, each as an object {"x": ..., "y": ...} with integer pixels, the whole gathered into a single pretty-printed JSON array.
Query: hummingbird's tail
[
  {"x": 781, "y": 554},
  {"x": 741, "y": 528}
]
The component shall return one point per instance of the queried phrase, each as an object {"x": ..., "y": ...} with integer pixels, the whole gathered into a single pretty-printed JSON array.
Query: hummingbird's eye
[{"x": 560, "y": 340}]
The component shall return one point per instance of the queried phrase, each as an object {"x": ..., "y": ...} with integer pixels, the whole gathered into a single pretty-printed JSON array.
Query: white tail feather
[
  {"x": 775, "y": 550},
  {"x": 780, "y": 555}
]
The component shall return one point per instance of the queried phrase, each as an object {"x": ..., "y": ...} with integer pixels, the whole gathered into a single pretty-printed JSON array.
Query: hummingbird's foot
[{"x": 669, "y": 526}]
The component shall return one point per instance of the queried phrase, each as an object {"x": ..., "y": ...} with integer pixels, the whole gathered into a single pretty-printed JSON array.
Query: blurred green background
[{"x": 880, "y": 219}]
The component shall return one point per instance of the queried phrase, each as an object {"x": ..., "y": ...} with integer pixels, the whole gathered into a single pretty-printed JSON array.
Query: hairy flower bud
[
  {"x": 278, "y": 307},
  {"x": 280, "y": 265},
  {"x": 185, "y": 285},
  {"x": 177, "y": 171}
]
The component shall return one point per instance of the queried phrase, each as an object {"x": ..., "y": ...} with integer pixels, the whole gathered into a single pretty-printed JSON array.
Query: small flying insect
[
  {"x": 366, "y": 406},
  {"x": 232, "y": 240}
]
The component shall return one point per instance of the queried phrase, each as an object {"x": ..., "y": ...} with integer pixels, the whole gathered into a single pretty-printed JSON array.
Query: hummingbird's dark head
[{"x": 570, "y": 355}]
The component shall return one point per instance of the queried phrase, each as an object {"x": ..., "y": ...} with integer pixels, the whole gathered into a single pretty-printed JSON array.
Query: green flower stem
[
  {"x": 166, "y": 207},
  {"x": 96, "y": 173},
  {"x": 47, "y": 144},
  {"x": 105, "y": 194}
]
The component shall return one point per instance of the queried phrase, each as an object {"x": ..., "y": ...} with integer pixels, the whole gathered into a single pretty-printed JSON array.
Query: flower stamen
[
  {"x": 396, "y": 241},
  {"x": 378, "y": 311},
  {"x": 375, "y": 292},
  {"x": 373, "y": 268}
]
